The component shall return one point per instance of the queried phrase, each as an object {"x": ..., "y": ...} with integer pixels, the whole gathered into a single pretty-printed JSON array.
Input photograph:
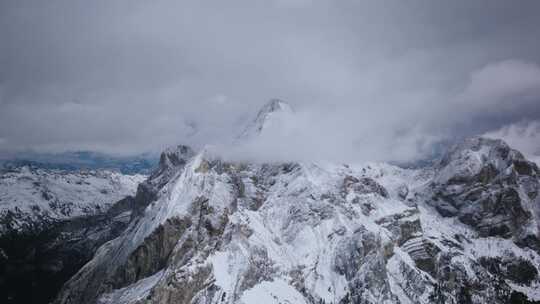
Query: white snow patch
[{"x": 273, "y": 292}]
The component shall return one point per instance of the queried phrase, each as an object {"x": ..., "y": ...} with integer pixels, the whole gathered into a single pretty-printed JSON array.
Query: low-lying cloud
[
  {"x": 523, "y": 136},
  {"x": 411, "y": 132}
]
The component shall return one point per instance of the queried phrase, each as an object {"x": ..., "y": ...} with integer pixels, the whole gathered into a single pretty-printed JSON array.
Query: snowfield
[{"x": 32, "y": 197}]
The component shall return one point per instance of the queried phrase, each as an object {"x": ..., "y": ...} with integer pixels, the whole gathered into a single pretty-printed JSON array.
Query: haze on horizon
[{"x": 369, "y": 80}]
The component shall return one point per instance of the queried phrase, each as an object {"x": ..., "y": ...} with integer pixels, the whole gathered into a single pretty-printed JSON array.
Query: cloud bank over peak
[
  {"x": 524, "y": 136},
  {"x": 368, "y": 80},
  {"x": 508, "y": 81},
  {"x": 274, "y": 114}
]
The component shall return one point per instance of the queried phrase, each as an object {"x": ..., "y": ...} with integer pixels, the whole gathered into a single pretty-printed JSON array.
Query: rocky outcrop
[
  {"x": 515, "y": 269},
  {"x": 170, "y": 162},
  {"x": 152, "y": 255},
  {"x": 488, "y": 186},
  {"x": 363, "y": 185}
]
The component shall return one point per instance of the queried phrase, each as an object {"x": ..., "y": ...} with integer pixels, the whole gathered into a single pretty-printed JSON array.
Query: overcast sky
[{"x": 370, "y": 80}]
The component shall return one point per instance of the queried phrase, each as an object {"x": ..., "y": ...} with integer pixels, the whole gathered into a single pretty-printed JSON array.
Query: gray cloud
[
  {"x": 369, "y": 79},
  {"x": 524, "y": 136}
]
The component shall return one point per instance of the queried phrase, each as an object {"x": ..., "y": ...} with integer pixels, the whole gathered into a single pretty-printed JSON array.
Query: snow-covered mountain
[
  {"x": 31, "y": 198},
  {"x": 52, "y": 222},
  {"x": 464, "y": 230},
  {"x": 82, "y": 160},
  {"x": 273, "y": 114}
]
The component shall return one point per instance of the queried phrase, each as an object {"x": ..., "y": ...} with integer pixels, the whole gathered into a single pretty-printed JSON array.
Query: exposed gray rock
[
  {"x": 47, "y": 259},
  {"x": 363, "y": 185},
  {"x": 210, "y": 231},
  {"x": 481, "y": 181}
]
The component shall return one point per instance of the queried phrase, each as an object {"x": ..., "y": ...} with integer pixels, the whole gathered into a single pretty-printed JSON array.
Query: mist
[{"x": 369, "y": 80}]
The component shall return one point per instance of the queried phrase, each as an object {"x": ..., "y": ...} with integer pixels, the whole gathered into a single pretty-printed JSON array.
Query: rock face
[
  {"x": 490, "y": 187},
  {"x": 210, "y": 231},
  {"x": 51, "y": 224}
]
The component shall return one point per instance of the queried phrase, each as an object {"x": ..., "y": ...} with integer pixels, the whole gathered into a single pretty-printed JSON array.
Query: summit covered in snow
[
  {"x": 272, "y": 115},
  {"x": 462, "y": 230}
]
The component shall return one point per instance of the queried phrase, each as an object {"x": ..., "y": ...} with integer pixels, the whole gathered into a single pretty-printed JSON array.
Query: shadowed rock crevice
[
  {"x": 46, "y": 260},
  {"x": 152, "y": 255}
]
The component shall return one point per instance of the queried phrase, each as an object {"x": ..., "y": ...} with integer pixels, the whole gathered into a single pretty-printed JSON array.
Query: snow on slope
[
  {"x": 461, "y": 231},
  {"x": 30, "y": 198},
  {"x": 275, "y": 114},
  {"x": 304, "y": 233}
]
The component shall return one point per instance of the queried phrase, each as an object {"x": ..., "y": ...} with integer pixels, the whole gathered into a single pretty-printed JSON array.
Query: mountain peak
[
  {"x": 316, "y": 232},
  {"x": 475, "y": 156},
  {"x": 275, "y": 105},
  {"x": 274, "y": 110}
]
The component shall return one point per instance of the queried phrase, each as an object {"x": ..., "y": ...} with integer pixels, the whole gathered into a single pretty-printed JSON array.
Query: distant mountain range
[{"x": 80, "y": 160}]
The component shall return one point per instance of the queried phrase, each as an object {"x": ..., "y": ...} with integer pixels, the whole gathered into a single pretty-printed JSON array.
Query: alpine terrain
[
  {"x": 204, "y": 230},
  {"x": 52, "y": 222}
]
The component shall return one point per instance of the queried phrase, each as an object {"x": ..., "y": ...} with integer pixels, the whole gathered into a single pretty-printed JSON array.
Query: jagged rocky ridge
[
  {"x": 210, "y": 231},
  {"x": 52, "y": 222}
]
